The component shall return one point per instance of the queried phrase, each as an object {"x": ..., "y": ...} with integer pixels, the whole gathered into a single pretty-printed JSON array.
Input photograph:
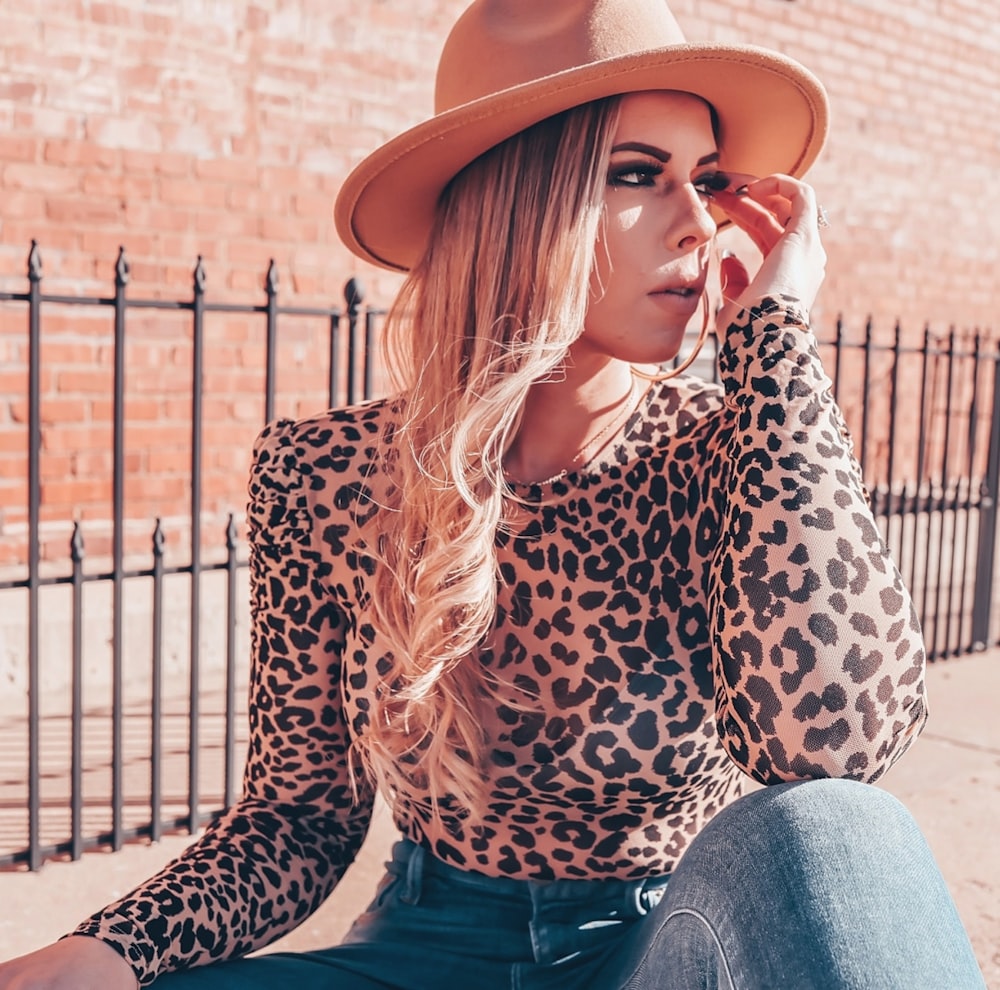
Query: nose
[{"x": 692, "y": 224}]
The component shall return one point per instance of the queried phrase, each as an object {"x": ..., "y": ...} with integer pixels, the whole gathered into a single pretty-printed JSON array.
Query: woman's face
[{"x": 652, "y": 257}]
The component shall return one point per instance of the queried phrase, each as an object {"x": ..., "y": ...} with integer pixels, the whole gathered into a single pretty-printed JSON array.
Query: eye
[
  {"x": 712, "y": 183},
  {"x": 634, "y": 174}
]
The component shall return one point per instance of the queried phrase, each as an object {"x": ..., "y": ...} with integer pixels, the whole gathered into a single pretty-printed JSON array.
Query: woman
[{"x": 563, "y": 609}]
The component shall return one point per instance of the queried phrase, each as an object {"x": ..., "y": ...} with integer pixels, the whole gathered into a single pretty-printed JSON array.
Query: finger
[
  {"x": 780, "y": 207},
  {"x": 799, "y": 195},
  {"x": 752, "y": 217}
]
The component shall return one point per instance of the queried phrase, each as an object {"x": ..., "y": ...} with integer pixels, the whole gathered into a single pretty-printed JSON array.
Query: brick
[
  {"x": 103, "y": 245},
  {"x": 294, "y": 229},
  {"x": 228, "y": 169},
  {"x": 75, "y": 437},
  {"x": 187, "y": 193},
  {"x": 66, "y": 210},
  {"x": 82, "y": 154},
  {"x": 56, "y": 350},
  {"x": 141, "y": 409},
  {"x": 54, "y": 467},
  {"x": 53, "y": 412},
  {"x": 19, "y": 147},
  {"x": 91, "y": 463},
  {"x": 162, "y": 490},
  {"x": 224, "y": 223},
  {"x": 74, "y": 491},
  {"x": 45, "y": 121},
  {"x": 84, "y": 380},
  {"x": 189, "y": 246},
  {"x": 243, "y": 282},
  {"x": 225, "y": 487},
  {"x": 169, "y": 460},
  {"x": 20, "y": 91},
  {"x": 40, "y": 178}
]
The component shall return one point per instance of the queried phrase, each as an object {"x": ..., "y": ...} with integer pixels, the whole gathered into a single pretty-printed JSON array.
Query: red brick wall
[{"x": 224, "y": 130}]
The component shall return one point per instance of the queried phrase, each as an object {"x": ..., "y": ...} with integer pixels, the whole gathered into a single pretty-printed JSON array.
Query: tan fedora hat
[{"x": 508, "y": 64}]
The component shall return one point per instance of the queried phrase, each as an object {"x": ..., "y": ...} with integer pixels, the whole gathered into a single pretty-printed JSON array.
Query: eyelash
[{"x": 647, "y": 174}]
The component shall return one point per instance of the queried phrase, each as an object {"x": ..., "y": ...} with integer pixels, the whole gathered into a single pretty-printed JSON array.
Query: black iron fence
[
  {"x": 928, "y": 438},
  {"x": 94, "y": 747},
  {"x": 95, "y": 756}
]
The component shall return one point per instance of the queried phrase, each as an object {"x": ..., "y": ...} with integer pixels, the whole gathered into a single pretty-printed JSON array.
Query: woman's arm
[
  {"x": 269, "y": 862},
  {"x": 819, "y": 659}
]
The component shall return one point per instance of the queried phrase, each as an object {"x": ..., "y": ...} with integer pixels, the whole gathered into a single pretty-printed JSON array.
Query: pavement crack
[{"x": 962, "y": 743}]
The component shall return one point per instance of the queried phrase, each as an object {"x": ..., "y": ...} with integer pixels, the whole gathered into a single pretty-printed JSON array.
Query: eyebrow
[{"x": 658, "y": 153}]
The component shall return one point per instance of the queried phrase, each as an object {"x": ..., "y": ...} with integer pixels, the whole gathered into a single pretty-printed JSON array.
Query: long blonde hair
[{"x": 491, "y": 308}]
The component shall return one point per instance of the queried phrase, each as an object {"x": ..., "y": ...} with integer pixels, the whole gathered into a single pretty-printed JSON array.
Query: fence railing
[
  {"x": 23, "y": 781},
  {"x": 933, "y": 469},
  {"x": 159, "y": 748}
]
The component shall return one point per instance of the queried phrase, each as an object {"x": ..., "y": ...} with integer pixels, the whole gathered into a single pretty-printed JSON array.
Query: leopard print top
[{"x": 710, "y": 603}]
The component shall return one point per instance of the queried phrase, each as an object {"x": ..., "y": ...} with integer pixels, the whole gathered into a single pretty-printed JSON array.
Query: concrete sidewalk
[{"x": 950, "y": 780}]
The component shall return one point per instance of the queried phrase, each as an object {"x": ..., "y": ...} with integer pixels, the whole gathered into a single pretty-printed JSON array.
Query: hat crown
[{"x": 498, "y": 44}]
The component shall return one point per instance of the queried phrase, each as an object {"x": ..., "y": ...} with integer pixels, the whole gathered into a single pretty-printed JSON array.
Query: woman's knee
[
  {"x": 805, "y": 812},
  {"x": 783, "y": 834},
  {"x": 806, "y": 880}
]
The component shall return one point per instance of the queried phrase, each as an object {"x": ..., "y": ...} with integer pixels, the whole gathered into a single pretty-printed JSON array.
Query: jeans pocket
[{"x": 387, "y": 886}]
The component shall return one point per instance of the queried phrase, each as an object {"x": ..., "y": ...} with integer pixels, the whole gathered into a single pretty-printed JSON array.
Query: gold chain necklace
[{"x": 596, "y": 443}]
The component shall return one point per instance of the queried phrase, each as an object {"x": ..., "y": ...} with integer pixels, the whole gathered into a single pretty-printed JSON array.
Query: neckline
[{"x": 607, "y": 457}]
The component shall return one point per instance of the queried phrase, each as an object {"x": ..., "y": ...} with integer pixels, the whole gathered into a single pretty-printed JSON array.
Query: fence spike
[
  {"x": 354, "y": 295},
  {"x": 34, "y": 263},
  {"x": 159, "y": 540},
  {"x": 271, "y": 279},
  {"x": 122, "y": 268},
  {"x": 199, "y": 276},
  {"x": 76, "y": 548},
  {"x": 231, "y": 533}
]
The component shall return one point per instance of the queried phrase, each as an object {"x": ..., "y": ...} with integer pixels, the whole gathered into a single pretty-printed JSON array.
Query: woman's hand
[
  {"x": 781, "y": 217},
  {"x": 75, "y": 963}
]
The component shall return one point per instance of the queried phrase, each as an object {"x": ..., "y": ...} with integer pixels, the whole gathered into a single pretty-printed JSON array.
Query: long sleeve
[
  {"x": 818, "y": 656},
  {"x": 271, "y": 860}
]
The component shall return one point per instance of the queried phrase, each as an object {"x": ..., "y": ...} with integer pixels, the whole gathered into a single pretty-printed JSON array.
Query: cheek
[
  {"x": 619, "y": 246},
  {"x": 622, "y": 233},
  {"x": 625, "y": 220}
]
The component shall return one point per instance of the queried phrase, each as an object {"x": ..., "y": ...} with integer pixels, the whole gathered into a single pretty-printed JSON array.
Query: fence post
[
  {"x": 866, "y": 394},
  {"x": 369, "y": 347},
  {"x": 118, "y": 556},
  {"x": 230, "y": 769},
  {"x": 194, "y": 649},
  {"x": 76, "y": 550},
  {"x": 156, "y": 691},
  {"x": 271, "y": 353},
  {"x": 34, "y": 554},
  {"x": 334, "y": 366},
  {"x": 986, "y": 551},
  {"x": 354, "y": 294}
]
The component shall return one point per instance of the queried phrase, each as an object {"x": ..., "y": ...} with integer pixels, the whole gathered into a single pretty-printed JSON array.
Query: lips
[{"x": 682, "y": 288}]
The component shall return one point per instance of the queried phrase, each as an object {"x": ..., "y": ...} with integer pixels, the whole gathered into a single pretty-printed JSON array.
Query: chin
[{"x": 656, "y": 355}]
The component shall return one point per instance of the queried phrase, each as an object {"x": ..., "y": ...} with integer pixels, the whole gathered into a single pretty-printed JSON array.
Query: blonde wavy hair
[{"x": 491, "y": 309}]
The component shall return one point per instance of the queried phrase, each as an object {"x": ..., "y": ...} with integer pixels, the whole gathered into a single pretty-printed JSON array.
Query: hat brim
[{"x": 773, "y": 116}]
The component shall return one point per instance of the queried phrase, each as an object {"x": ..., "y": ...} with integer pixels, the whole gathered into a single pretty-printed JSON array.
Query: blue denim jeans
[{"x": 807, "y": 886}]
